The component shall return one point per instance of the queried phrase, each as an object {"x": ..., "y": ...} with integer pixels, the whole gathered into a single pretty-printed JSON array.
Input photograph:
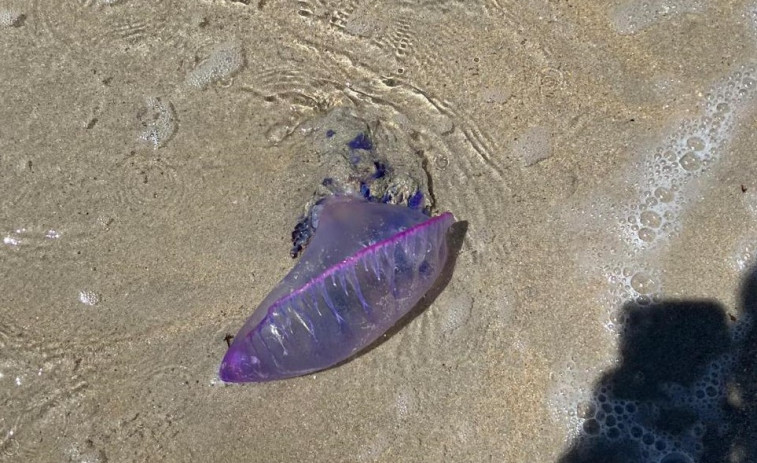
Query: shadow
[
  {"x": 455, "y": 238},
  {"x": 685, "y": 389}
]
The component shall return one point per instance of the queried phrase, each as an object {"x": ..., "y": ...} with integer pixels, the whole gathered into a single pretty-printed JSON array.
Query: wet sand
[{"x": 155, "y": 159}]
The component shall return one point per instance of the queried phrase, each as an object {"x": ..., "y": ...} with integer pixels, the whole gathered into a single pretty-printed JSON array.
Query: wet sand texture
[{"x": 156, "y": 155}]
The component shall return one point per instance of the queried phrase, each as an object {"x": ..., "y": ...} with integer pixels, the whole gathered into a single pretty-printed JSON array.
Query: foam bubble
[
  {"x": 632, "y": 282},
  {"x": 676, "y": 457},
  {"x": 85, "y": 453},
  {"x": 642, "y": 283},
  {"x": 89, "y": 297},
  {"x": 52, "y": 234},
  {"x": 751, "y": 14},
  {"x": 613, "y": 419},
  {"x": 456, "y": 313},
  {"x": 650, "y": 219},
  {"x": 749, "y": 198},
  {"x": 745, "y": 255},
  {"x": 405, "y": 404},
  {"x": 570, "y": 400},
  {"x": 668, "y": 176},
  {"x": 159, "y": 120},
  {"x": 664, "y": 195},
  {"x": 690, "y": 161},
  {"x": 646, "y": 234},
  {"x": 740, "y": 329},
  {"x": 224, "y": 61},
  {"x": 628, "y": 284},
  {"x": 33, "y": 236},
  {"x": 10, "y": 18},
  {"x": 14, "y": 238},
  {"x": 533, "y": 146},
  {"x": 635, "y": 15}
]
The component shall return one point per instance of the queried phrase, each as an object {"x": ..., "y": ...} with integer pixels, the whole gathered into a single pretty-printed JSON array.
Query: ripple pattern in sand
[
  {"x": 101, "y": 26},
  {"x": 456, "y": 153},
  {"x": 150, "y": 182},
  {"x": 39, "y": 381}
]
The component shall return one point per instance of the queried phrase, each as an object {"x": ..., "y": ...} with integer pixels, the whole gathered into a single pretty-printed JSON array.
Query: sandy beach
[{"x": 156, "y": 155}]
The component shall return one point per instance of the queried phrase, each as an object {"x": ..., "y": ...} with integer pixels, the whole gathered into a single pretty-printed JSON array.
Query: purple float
[{"x": 367, "y": 265}]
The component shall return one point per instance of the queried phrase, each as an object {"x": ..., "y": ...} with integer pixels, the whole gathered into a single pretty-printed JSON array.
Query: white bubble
[
  {"x": 88, "y": 297},
  {"x": 633, "y": 16},
  {"x": 642, "y": 283},
  {"x": 224, "y": 61},
  {"x": 647, "y": 234},
  {"x": 456, "y": 313},
  {"x": 10, "y": 18},
  {"x": 159, "y": 120},
  {"x": 690, "y": 151},
  {"x": 405, "y": 403},
  {"x": 52, "y": 235},
  {"x": 695, "y": 143},
  {"x": 690, "y": 161},
  {"x": 84, "y": 453},
  {"x": 664, "y": 195},
  {"x": 568, "y": 393},
  {"x": 744, "y": 256},
  {"x": 650, "y": 219},
  {"x": 750, "y": 202}
]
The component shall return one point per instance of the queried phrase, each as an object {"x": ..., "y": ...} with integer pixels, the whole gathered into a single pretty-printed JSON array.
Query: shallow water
[{"x": 155, "y": 156}]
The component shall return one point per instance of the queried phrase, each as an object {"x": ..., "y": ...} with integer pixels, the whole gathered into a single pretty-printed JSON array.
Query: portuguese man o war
[
  {"x": 367, "y": 265},
  {"x": 369, "y": 251}
]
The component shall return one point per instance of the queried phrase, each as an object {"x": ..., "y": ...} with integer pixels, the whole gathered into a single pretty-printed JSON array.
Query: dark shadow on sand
[{"x": 685, "y": 389}]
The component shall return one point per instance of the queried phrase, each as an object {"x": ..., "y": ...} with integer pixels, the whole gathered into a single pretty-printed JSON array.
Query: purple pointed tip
[{"x": 239, "y": 366}]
